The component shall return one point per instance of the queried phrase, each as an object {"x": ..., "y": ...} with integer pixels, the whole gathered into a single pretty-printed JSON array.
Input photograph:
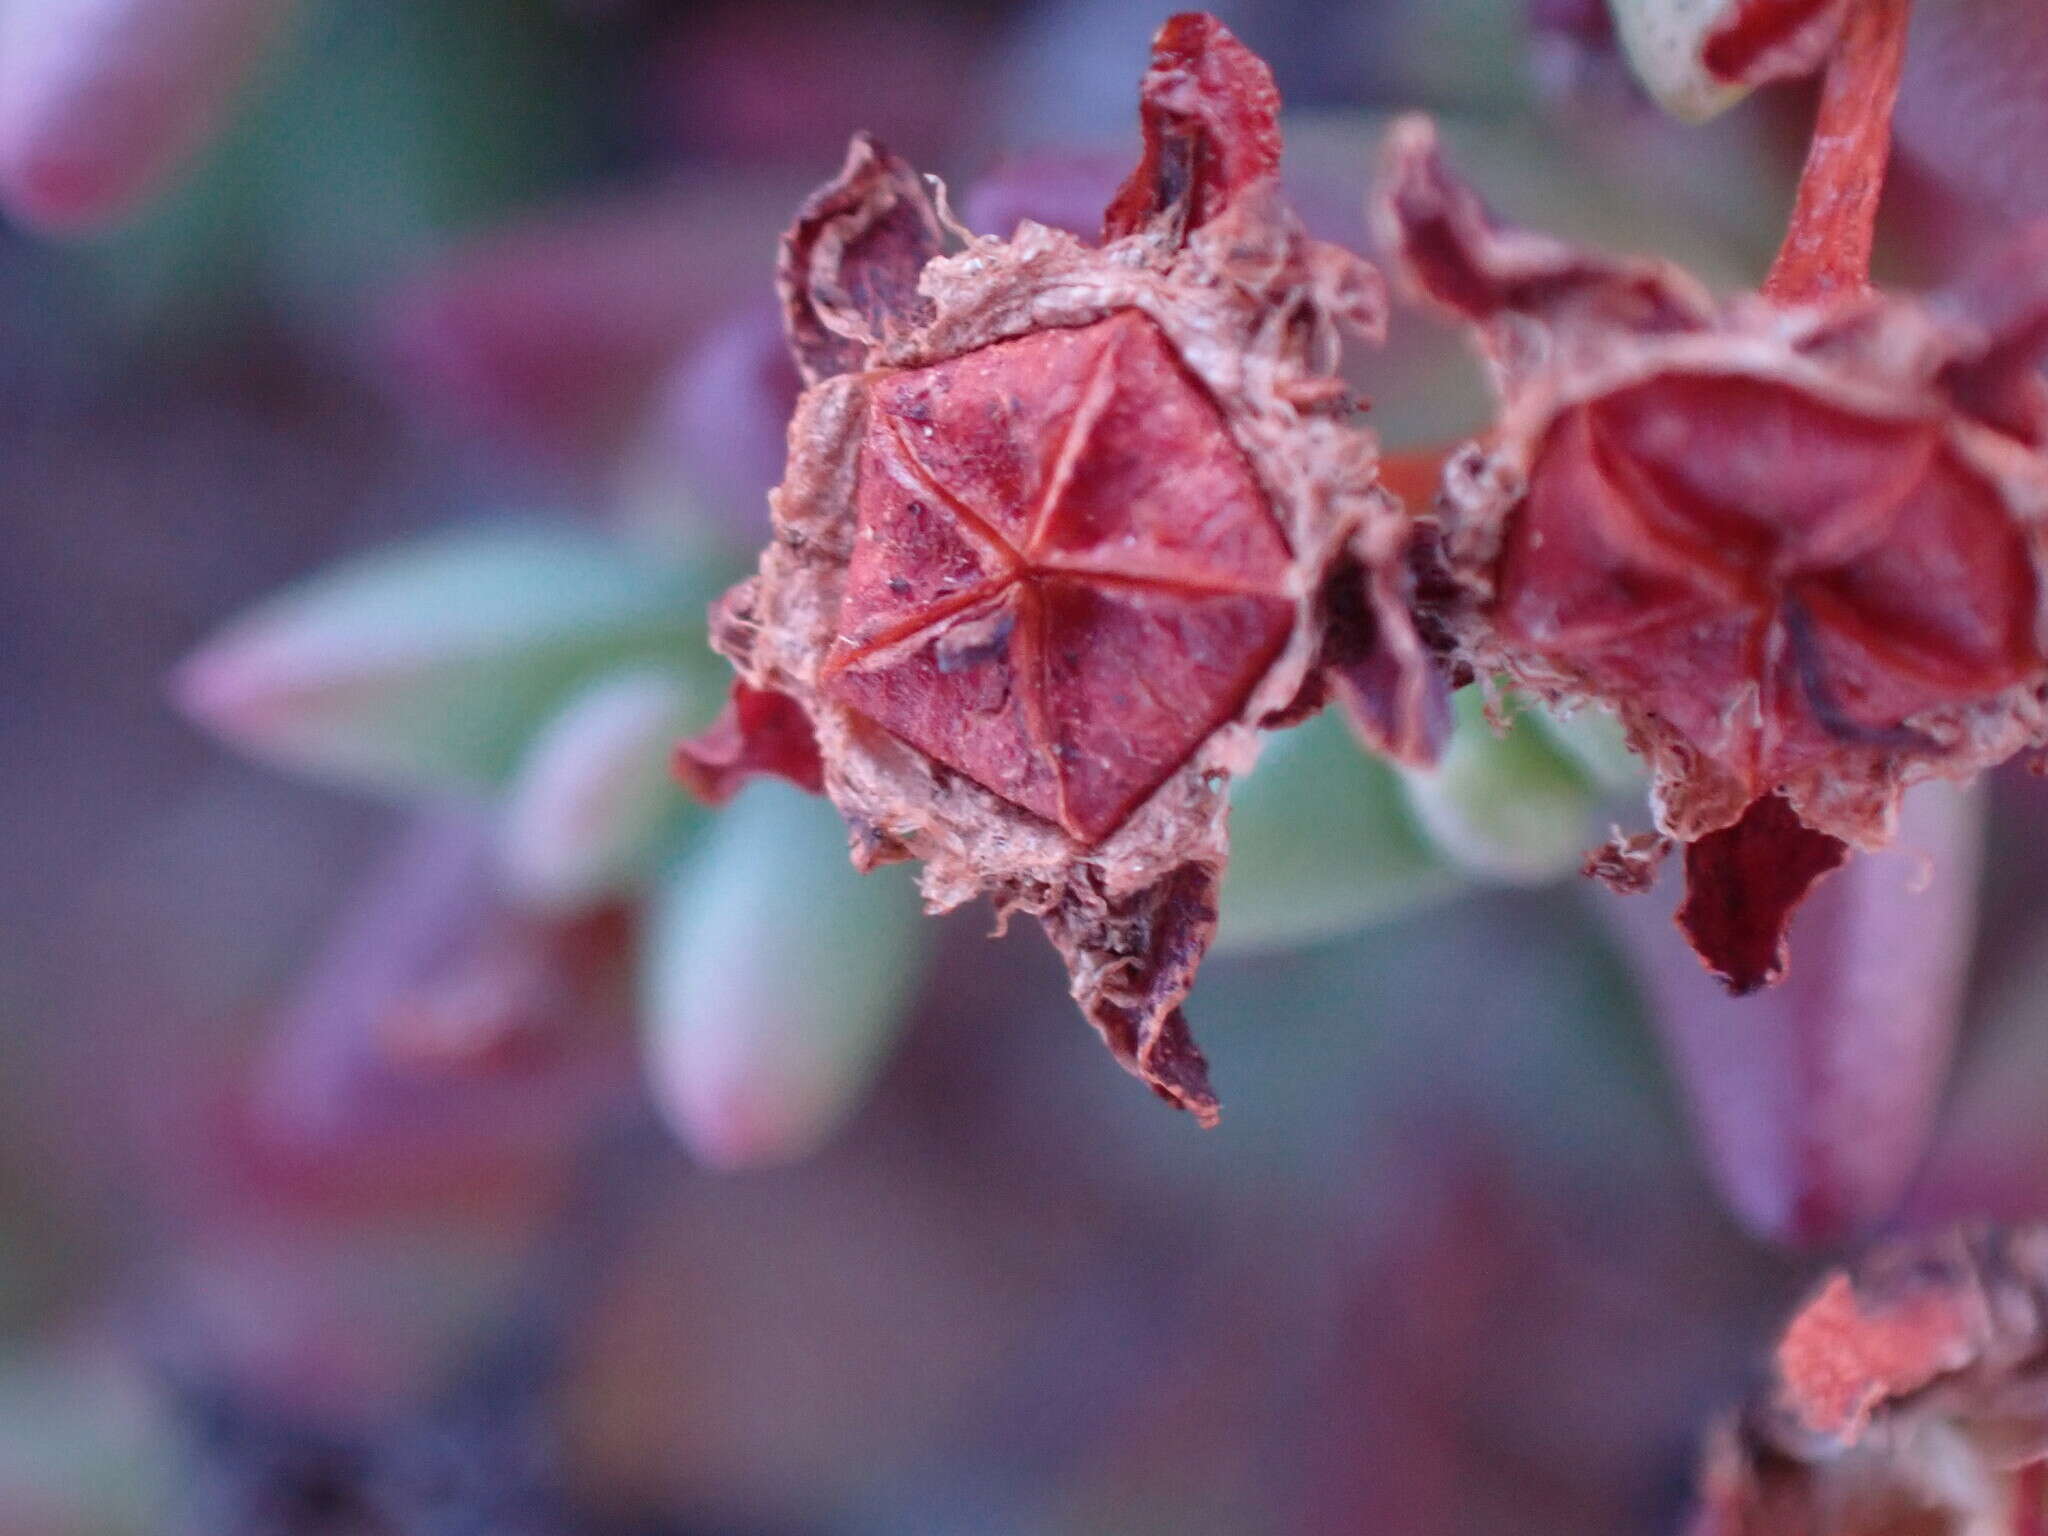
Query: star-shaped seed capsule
[
  {"x": 1065, "y": 526},
  {"x": 1029, "y": 599}
]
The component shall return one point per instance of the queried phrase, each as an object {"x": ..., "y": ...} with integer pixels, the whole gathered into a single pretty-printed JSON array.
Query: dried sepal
[
  {"x": 1742, "y": 885},
  {"x": 1064, "y": 527},
  {"x": 1211, "y": 119},
  {"x": 758, "y": 732},
  {"x": 1795, "y": 547},
  {"x": 848, "y": 267}
]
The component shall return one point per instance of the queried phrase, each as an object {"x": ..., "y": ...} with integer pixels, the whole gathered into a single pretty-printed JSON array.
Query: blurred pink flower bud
[
  {"x": 723, "y": 417},
  {"x": 1062, "y": 189},
  {"x": 439, "y": 1027},
  {"x": 783, "y": 80},
  {"x": 1814, "y": 1100},
  {"x": 775, "y": 978},
  {"x": 589, "y": 805},
  {"x": 102, "y": 101},
  {"x": 1700, "y": 56},
  {"x": 549, "y": 336}
]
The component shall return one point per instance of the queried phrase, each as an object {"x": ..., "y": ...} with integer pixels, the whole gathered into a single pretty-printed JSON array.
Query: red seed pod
[
  {"x": 1793, "y": 540},
  {"x": 1064, "y": 525}
]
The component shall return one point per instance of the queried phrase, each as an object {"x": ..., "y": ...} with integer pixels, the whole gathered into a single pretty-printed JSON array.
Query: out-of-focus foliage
[
  {"x": 434, "y": 665},
  {"x": 774, "y": 978}
]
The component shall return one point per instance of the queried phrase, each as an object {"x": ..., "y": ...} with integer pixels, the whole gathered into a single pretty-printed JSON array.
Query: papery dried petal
[
  {"x": 849, "y": 265},
  {"x": 1844, "y": 1355},
  {"x": 758, "y": 732},
  {"x": 1813, "y": 1103},
  {"x": 1212, "y": 129},
  {"x": 1742, "y": 885}
]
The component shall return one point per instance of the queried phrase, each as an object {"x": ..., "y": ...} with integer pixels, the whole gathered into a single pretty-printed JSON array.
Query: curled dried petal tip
[
  {"x": 1211, "y": 116},
  {"x": 1742, "y": 885},
  {"x": 758, "y": 732}
]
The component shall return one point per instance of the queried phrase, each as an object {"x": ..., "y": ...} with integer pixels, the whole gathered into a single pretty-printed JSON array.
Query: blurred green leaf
[
  {"x": 1465, "y": 55},
  {"x": 430, "y": 665},
  {"x": 594, "y": 803},
  {"x": 1593, "y": 740},
  {"x": 84, "y": 1450},
  {"x": 775, "y": 977},
  {"x": 1322, "y": 842},
  {"x": 1504, "y": 803},
  {"x": 382, "y": 127}
]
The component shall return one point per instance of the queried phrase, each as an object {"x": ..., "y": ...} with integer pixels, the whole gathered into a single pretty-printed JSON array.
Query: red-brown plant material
[
  {"x": 1792, "y": 540},
  {"x": 1909, "y": 1394},
  {"x": 1064, "y": 526}
]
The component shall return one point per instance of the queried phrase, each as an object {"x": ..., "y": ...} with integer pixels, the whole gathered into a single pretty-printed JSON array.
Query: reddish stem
[{"x": 1826, "y": 253}]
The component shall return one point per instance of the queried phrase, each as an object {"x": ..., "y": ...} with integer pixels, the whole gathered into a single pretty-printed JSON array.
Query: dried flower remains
[
  {"x": 1064, "y": 526},
  {"x": 1792, "y": 540}
]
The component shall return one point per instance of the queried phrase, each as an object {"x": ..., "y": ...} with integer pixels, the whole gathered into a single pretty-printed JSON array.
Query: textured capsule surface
[
  {"x": 1064, "y": 575},
  {"x": 1772, "y": 575}
]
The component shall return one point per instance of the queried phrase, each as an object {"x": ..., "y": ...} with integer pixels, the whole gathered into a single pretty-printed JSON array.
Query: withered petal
[
  {"x": 758, "y": 732},
  {"x": 1211, "y": 117},
  {"x": 1846, "y": 1354},
  {"x": 1395, "y": 695},
  {"x": 1133, "y": 962},
  {"x": 1455, "y": 253},
  {"x": 2002, "y": 303},
  {"x": 1627, "y": 863},
  {"x": 848, "y": 267},
  {"x": 1742, "y": 885},
  {"x": 1905, "y": 1396}
]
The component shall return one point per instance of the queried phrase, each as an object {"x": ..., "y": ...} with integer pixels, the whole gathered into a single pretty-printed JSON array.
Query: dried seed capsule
[
  {"x": 1064, "y": 526},
  {"x": 1794, "y": 540}
]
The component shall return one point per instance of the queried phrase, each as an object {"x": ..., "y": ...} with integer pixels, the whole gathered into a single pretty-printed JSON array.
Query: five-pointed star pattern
[
  {"x": 1065, "y": 575},
  {"x": 1665, "y": 550}
]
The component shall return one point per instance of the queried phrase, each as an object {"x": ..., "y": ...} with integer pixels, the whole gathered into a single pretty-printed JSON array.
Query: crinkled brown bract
[
  {"x": 1795, "y": 547},
  {"x": 1065, "y": 525}
]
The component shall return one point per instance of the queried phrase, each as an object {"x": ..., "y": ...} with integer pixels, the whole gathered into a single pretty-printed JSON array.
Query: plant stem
[{"x": 1826, "y": 253}]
